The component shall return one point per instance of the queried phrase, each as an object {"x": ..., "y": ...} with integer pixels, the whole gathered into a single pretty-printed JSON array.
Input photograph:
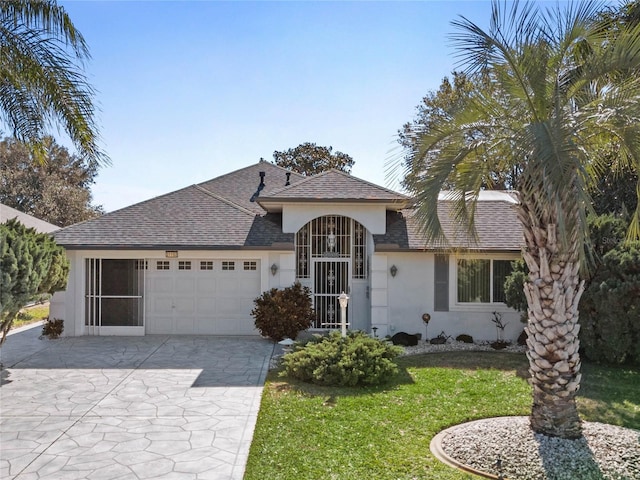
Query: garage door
[{"x": 208, "y": 297}]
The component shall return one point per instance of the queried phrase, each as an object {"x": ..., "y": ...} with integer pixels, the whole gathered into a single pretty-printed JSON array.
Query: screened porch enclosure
[{"x": 114, "y": 293}]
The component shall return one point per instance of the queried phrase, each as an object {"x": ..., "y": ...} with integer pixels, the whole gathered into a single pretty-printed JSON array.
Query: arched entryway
[{"x": 331, "y": 257}]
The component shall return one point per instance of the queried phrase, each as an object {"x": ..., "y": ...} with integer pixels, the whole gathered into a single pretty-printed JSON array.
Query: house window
[
  {"x": 228, "y": 265},
  {"x": 184, "y": 265},
  {"x": 206, "y": 265},
  {"x": 250, "y": 265},
  {"x": 482, "y": 280},
  {"x": 331, "y": 236},
  {"x": 162, "y": 265}
]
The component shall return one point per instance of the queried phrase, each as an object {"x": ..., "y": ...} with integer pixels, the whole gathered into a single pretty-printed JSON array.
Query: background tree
[
  {"x": 561, "y": 100},
  {"x": 57, "y": 191},
  {"x": 439, "y": 106},
  {"x": 42, "y": 81},
  {"x": 31, "y": 263},
  {"x": 310, "y": 159}
]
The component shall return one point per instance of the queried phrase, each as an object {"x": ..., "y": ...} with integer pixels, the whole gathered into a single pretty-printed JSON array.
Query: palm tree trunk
[{"x": 553, "y": 292}]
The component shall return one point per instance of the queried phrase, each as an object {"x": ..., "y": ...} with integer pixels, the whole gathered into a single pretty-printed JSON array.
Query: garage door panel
[
  {"x": 161, "y": 285},
  {"x": 161, "y": 324},
  {"x": 185, "y": 285},
  {"x": 206, "y": 306},
  {"x": 208, "y": 301},
  {"x": 161, "y": 305},
  {"x": 184, "y": 306},
  {"x": 206, "y": 286}
]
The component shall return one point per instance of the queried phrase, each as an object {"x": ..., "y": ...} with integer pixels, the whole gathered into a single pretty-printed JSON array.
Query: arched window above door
[{"x": 331, "y": 236}]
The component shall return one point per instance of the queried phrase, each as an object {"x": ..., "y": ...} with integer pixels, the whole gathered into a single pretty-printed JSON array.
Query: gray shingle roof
[
  {"x": 333, "y": 185},
  {"x": 188, "y": 218},
  {"x": 497, "y": 228},
  {"x": 9, "y": 213},
  {"x": 217, "y": 214},
  {"x": 240, "y": 185}
]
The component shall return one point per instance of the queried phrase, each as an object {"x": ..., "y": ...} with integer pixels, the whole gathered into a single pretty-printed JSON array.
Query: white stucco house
[{"x": 192, "y": 261}]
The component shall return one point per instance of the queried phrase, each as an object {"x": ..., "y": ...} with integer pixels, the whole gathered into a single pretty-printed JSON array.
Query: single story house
[{"x": 192, "y": 261}]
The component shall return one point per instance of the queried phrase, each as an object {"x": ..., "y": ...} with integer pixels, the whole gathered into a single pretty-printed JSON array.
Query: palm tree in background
[
  {"x": 565, "y": 100},
  {"x": 42, "y": 83}
]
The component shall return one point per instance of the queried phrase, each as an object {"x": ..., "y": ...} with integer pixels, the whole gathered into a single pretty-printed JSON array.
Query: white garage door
[{"x": 208, "y": 297}]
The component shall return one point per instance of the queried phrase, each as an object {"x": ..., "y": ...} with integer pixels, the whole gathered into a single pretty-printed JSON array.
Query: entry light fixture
[
  {"x": 274, "y": 269},
  {"x": 171, "y": 253},
  {"x": 393, "y": 270}
]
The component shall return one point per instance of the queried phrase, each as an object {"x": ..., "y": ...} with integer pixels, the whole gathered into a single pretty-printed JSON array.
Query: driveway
[{"x": 156, "y": 407}]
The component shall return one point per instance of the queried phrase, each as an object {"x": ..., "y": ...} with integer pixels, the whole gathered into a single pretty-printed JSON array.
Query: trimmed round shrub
[
  {"x": 284, "y": 313},
  {"x": 464, "y": 338},
  {"x": 356, "y": 359}
]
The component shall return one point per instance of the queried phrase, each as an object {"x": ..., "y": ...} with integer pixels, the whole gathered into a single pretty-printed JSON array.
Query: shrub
[
  {"x": 356, "y": 359},
  {"x": 53, "y": 328},
  {"x": 283, "y": 313},
  {"x": 464, "y": 338},
  {"x": 610, "y": 309},
  {"x": 514, "y": 288}
]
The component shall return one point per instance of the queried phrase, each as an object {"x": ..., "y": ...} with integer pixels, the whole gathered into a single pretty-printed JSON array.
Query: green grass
[
  {"x": 31, "y": 315},
  {"x": 311, "y": 432}
]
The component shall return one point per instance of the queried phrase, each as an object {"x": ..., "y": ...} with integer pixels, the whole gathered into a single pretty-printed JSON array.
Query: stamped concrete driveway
[{"x": 155, "y": 407}]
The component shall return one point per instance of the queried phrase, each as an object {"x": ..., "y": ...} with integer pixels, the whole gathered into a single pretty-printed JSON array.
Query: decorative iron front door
[{"x": 331, "y": 279}]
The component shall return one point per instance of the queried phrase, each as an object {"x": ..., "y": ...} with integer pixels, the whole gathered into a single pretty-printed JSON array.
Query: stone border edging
[{"x": 436, "y": 449}]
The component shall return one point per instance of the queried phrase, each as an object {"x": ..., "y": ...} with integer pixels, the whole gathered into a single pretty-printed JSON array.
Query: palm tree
[
  {"x": 564, "y": 100},
  {"x": 42, "y": 83}
]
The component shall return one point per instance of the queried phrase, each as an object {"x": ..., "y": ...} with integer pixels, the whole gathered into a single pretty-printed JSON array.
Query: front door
[{"x": 331, "y": 279}]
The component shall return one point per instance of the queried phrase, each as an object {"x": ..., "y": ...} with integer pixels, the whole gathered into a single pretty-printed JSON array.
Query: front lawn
[
  {"x": 310, "y": 432},
  {"x": 31, "y": 315}
]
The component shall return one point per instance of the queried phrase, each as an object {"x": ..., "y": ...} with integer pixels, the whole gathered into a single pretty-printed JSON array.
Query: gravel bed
[
  {"x": 453, "y": 346},
  {"x": 604, "y": 451}
]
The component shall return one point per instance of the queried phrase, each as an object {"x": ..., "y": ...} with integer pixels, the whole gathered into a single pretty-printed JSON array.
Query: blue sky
[{"x": 188, "y": 91}]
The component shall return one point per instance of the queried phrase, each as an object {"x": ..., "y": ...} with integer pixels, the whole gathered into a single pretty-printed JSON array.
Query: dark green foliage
[
  {"x": 31, "y": 263},
  {"x": 610, "y": 309},
  {"x": 514, "y": 288},
  {"x": 464, "y": 338},
  {"x": 283, "y": 313},
  {"x": 53, "y": 328},
  {"x": 606, "y": 232},
  {"x": 58, "y": 191},
  {"x": 356, "y": 359},
  {"x": 311, "y": 159}
]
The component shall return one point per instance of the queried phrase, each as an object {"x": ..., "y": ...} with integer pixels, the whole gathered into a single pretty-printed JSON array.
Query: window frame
[{"x": 455, "y": 304}]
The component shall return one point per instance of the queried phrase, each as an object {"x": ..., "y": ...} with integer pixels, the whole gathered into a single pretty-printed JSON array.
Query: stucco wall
[{"x": 411, "y": 293}]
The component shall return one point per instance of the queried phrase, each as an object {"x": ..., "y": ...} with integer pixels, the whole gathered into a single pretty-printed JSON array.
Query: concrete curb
[
  {"x": 436, "y": 449},
  {"x": 25, "y": 328}
]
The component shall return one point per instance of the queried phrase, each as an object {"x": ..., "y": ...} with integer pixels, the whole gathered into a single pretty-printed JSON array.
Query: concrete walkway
[{"x": 155, "y": 407}]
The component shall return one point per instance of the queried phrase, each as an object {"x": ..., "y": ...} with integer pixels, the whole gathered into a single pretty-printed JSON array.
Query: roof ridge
[
  {"x": 273, "y": 193},
  {"x": 251, "y": 166},
  {"x": 368, "y": 182},
  {"x": 305, "y": 179},
  {"x": 225, "y": 200}
]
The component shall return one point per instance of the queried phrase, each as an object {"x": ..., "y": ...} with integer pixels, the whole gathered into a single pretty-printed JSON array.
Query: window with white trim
[
  {"x": 250, "y": 265},
  {"x": 228, "y": 265},
  {"x": 206, "y": 265},
  {"x": 481, "y": 280},
  {"x": 184, "y": 265},
  {"x": 162, "y": 265}
]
